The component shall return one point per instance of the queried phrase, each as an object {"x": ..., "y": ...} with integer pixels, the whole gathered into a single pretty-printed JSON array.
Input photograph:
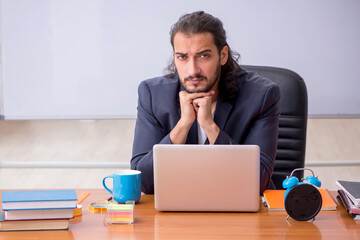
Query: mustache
[{"x": 196, "y": 76}]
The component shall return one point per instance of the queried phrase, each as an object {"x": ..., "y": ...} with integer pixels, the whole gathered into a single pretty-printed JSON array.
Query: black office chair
[{"x": 293, "y": 121}]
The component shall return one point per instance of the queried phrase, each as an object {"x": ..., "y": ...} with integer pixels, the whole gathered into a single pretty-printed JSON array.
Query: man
[{"x": 207, "y": 99}]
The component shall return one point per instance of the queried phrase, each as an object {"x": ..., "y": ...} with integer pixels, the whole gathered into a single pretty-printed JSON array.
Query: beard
[{"x": 209, "y": 82}]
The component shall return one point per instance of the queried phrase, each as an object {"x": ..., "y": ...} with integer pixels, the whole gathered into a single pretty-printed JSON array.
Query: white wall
[{"x": 85, "y": 58}]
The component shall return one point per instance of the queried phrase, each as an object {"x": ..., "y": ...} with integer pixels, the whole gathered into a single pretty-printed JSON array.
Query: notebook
[
  {"x": 222, "y": 178},
  {"x": 274, "y": 199},
  {"x": 352, "y": 190}
]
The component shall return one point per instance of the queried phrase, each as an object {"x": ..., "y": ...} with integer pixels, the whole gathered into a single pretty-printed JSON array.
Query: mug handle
[{"x": 103, "y": 182}]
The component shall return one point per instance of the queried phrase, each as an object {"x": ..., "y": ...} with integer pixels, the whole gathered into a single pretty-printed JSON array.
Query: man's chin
[{"x": 195, "y": 90}]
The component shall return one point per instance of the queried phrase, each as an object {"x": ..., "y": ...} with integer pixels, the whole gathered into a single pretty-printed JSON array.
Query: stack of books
[
  {"x": 37, "y": 210},
  {"x": 349, "y": 197}
]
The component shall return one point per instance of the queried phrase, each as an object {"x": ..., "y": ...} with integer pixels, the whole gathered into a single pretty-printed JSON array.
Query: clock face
[{"x": 303, "y": 202}]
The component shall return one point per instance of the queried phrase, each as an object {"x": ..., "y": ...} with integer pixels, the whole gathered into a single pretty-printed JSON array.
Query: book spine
[
  {"x": 344, "y": 200},
  {"x": 341, "y": 202}
]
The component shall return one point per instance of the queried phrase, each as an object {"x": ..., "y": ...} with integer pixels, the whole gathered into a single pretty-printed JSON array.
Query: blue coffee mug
[{"x": 126, "y": 185}]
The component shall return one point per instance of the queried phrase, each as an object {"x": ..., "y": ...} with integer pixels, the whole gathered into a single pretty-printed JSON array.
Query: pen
[
  {"x": 264, "y": 201},
  {"x": 82, "y": 197}
]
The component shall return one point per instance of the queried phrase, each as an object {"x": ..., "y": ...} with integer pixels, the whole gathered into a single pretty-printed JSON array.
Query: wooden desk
[{"x": 150, "y": 224}]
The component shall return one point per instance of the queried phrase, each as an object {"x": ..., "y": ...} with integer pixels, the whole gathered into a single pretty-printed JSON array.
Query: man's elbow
[{"x": 147, "y": 188}]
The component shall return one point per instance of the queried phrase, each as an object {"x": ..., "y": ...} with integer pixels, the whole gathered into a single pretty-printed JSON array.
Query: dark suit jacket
[{"x": 252, "y": 117}]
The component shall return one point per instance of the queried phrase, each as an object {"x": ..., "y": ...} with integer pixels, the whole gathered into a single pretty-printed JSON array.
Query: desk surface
[{"x": 150, "y": 224}]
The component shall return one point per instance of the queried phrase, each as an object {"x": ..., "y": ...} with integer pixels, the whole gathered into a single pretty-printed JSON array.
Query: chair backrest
[{"x": 293, "y": 121}]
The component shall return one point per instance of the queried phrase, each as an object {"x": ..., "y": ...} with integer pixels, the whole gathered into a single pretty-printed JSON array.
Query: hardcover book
[
  {"x": 28, "y": 225},
  {"x": 39, "y": 199},
  {"x": 39, "y": 214}
]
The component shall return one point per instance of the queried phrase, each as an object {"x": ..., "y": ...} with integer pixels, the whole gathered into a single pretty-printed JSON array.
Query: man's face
[{"x": 198, "y": 62}]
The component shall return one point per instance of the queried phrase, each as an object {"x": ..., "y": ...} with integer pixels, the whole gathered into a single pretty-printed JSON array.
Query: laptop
[{"x": 221, "y": 178}]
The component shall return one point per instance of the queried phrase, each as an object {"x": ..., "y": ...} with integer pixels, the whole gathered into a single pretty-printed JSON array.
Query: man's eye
[
  {"x": 204, "y": 56},
  {"x": 181, "y": 57}
]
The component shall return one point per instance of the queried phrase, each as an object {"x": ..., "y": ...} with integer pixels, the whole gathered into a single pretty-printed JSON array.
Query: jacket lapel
[
  {"x": 222, "y": 111},
  {"x": 193, "y": 134}
]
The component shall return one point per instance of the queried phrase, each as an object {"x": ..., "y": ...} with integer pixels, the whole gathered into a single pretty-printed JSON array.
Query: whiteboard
[{"x": 84, "y": 59}]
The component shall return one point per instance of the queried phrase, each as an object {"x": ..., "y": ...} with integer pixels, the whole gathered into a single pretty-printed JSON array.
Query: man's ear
[{"x": 224, "y": 54}]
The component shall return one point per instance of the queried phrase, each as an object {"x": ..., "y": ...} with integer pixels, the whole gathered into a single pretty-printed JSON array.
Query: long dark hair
[{"x": 201, "y": 22}]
